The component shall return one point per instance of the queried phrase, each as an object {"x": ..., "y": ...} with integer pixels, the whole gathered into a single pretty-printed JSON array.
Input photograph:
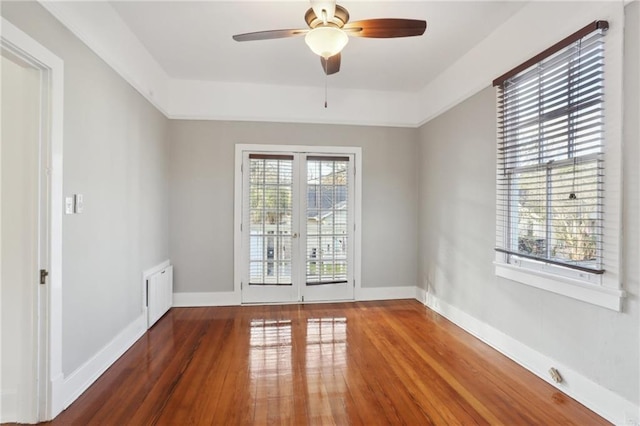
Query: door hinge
[{"x": 43, "y": 276}]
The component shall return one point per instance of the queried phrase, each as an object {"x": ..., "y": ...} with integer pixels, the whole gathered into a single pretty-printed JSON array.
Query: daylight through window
[{"x": 550, "y": 155}]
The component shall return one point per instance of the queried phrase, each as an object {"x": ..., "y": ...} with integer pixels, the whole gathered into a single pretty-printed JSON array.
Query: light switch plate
[
  {"x": 68, "y": 205},
  {"x": 79, "y": 203}
]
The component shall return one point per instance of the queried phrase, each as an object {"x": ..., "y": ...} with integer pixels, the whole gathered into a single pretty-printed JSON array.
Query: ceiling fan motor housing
[{"x": 340, "y": 18}]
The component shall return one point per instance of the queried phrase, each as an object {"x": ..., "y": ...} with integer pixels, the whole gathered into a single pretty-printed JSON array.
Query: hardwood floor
[{"x": 392, "y": 362}]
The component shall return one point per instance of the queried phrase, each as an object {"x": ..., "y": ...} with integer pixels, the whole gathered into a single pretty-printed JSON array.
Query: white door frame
[
  {"x": 49, "y": 350},
  {"x": 238, "y": 197}
]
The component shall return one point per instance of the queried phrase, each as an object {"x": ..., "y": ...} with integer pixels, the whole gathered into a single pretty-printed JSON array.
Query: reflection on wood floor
[{"x": 392, "y": 362}]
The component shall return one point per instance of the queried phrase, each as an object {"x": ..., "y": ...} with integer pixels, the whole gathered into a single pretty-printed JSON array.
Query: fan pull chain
[{"x": 326, "y": 77}]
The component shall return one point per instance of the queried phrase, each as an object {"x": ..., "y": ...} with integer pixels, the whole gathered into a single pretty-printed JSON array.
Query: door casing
[
  {"x": 48, "y": 315},
  {"x": 241, "y": 149}
]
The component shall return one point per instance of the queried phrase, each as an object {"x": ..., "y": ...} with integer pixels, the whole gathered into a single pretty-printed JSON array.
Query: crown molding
[
  {"x": 100, "y": 27},
  {"x": 292, "y": 104},
  {"x": 533, "y": 28},
  {"x": 529, "y": 31}
]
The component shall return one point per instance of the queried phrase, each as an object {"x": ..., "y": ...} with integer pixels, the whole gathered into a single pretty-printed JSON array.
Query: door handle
[{"x": 295, "y": 235}]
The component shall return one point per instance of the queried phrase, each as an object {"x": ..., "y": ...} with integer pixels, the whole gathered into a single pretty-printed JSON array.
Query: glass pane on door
[
  {"x": 270, "y": 219},
  {"x": 327, "y": 220}
]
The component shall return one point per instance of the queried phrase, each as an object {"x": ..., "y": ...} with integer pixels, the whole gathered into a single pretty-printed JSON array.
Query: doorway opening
[{"x": 299, "y": 208}]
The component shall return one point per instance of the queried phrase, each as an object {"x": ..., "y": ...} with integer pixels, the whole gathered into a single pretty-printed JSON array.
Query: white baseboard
[
  {"x": 385, "y": 293},
  {"x": 8, "y": 405},
  {"x": 78, "y": 381},
  {"x": 599, "y": 399},
  {"x": 230, "y": 298},
  {"x": 604, "y": 402},
  {"x": 189, "y": 300}
]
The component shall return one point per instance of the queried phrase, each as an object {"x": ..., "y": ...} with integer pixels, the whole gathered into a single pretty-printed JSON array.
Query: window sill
[{"x": 591, "y": 293}]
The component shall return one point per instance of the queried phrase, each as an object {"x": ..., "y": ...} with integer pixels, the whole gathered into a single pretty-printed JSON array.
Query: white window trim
[
  {"x": 575, "y": 288},
  {"x": 604, "y": 290},
  {"x": 357, "y": 209}
]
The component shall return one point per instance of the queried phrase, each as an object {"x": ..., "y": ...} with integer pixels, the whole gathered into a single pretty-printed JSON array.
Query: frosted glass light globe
[{"x": 326, "y": 41}]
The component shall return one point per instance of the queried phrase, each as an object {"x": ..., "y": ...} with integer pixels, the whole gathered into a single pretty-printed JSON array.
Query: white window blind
[
  {"x": 270, "y": 208},
  {"x": 327, "y": 220},
  {"x": 550, "y": 175}
]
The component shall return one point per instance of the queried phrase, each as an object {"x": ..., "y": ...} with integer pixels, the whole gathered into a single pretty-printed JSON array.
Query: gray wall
[
  {"x": 202, "y": 196},
  {"x": 115, "y": 153},
  {"x": 117, "y": 150},
  {"x": 457, "y": 224}
]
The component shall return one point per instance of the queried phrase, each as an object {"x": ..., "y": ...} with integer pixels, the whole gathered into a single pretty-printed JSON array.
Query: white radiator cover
[{"x": 159, "y": 294}]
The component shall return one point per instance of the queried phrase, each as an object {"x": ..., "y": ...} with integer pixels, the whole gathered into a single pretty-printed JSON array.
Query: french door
[{"x": 297, "y": 227}]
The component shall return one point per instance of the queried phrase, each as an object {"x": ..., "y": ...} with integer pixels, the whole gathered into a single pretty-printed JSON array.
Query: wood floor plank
[{"x": 363, "y": 363}]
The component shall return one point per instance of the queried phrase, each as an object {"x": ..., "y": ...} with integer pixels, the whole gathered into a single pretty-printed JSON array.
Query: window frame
[{"x": 599, "y": 289}]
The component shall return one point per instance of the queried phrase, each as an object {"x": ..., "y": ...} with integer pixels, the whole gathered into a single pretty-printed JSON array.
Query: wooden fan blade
[
  {"x": 268, "y": 35},
  {"x": 331, "y": 65},
  {"x": 386, "y": 28}
]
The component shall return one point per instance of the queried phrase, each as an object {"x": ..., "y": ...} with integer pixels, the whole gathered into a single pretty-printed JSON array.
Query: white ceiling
[
  {"x": 192, "y": 41},
  {"x": 180, "y": 55}
]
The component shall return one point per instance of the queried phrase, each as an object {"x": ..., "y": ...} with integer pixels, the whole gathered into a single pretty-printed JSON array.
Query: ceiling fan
[{"x": 329, "y": 28}]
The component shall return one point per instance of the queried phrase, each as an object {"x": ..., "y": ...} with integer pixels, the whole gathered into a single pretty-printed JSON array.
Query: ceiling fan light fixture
[{"x": 326, "y": 41}]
